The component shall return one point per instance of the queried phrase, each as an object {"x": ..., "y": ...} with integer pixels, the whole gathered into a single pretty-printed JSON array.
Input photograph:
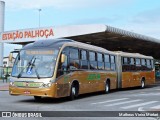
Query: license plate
[{"x": 27, "y": 92}]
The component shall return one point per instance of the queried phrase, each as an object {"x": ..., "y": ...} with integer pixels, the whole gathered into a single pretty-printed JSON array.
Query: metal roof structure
[
  {"x": 116, "y": 39},
  {"x": 110, "y": 38}
]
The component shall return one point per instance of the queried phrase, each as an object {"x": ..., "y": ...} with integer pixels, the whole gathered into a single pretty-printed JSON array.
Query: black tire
[
  {"x": 73, "y": 92},
  {"x": 38, "y": 98},
  {"x": 143, "y": 84},
  {"x": 107, "y": 87}
]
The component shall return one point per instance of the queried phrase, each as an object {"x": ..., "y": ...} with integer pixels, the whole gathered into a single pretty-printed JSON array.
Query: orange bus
[{"x": 63, "y": 67}]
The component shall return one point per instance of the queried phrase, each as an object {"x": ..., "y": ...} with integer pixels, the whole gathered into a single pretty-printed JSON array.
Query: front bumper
[{"x": 44, "y": 92}]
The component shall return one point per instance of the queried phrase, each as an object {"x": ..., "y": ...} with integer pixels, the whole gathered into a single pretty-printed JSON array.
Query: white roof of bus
[
  {"x": 136, "y": 55},
  {"x": 89, "y": 47},
  {"x": 99, "y": 49}
]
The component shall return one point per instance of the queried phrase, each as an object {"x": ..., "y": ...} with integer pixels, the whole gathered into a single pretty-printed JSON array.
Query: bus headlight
[{"x": 11, "y": 83}]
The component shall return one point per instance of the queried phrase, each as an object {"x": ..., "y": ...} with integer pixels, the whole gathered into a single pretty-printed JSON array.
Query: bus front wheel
[{"x": 73, "y": 92}]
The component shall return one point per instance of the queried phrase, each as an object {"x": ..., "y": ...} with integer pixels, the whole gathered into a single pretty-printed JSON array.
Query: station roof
[
  {"x": 115, "y": 39},
  {"x": 105, "y": 36}
]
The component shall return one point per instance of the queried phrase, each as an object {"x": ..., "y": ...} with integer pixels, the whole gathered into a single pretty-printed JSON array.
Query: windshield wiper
[
  {"x": 35, "y": 68},
  {"x": 28, "y": 64}
]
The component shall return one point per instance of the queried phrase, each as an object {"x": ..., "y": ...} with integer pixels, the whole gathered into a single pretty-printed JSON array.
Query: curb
[{"x": 4, "y": 88}]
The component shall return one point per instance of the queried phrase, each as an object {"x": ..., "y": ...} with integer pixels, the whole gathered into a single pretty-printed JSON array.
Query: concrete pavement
[{"x": 124, "y": 100}]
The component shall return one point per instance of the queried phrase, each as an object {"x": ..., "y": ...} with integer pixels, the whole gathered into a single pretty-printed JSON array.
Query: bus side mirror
[
  {"x": 63, "y": 58},
  {"x": 10, "y": 56}
]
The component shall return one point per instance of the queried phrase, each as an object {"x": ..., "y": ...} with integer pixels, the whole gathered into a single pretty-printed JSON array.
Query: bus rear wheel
[
  {"x": 143, "y": 84},
  {"x": 107, "y": 87}
]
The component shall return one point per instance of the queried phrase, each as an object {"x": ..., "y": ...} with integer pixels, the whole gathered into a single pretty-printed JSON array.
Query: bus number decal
[{"x": 94, "y": 77}]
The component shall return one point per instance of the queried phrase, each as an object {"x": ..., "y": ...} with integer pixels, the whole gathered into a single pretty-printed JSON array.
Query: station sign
[
  {"x": 27, "y": 35},
  {"x": 34, "y": 34}
]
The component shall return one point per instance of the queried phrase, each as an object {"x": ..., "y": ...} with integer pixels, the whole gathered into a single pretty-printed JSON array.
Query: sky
[{"x": 139, "y": 16}]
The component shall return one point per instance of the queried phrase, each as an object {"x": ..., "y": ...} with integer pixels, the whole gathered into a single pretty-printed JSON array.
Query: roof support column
[{"x": 2, "y": 12}]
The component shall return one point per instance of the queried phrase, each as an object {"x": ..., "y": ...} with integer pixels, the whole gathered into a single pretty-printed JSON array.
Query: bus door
[
  {"x": 63, "y": 74},
  {"x": 137, "y": 73},
  {"x": 127, "y": 74}
]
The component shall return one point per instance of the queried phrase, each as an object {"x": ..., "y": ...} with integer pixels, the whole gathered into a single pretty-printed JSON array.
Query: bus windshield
[{"x": 37, "y": 63}]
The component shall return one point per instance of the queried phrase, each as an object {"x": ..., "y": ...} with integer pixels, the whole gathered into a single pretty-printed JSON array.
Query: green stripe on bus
[{"x": 94, "y": 77}]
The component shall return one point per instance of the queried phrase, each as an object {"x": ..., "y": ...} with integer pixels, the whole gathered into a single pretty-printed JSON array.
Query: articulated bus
[{"x": 63, "y": 67}]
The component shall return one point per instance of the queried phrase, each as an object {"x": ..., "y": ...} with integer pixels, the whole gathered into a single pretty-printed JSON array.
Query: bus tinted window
[
  {"x": 107, "y": 58},
  {"x": 107, "y": 66},
  {"x": 83, "y": 55},
  {"x": 152, "y": 63},
  {"x": 74, "y": 64},
  {"x": 99, "y": 57},
  {"x": 113, "y": 64},
  {"x": 107, "y": 62},
  {"x": 101, "y": 65},
  {"x": 125, "y": 61},
  {"x": 74, "y": 53},
  {"x": 92, "y": 56},
  {"x": 149, "y": 64},
  {"x": 83, "y": 61},
  {"x": 113, "y": 67},
  {"x": 112, "y": 59},
  {"x": 132, "y": 61},
  {"x": 84, "y": 64},
  {"x": 93, "y": 65},
  {"x": 126, "y": 64},
  {"x": 63, "y": 67},
  {"x": 100, "y": 61},
  {"x": 138, "y": 61},
  {"x": 143, "y": 62},
  {"x": 74, "y": 59}
]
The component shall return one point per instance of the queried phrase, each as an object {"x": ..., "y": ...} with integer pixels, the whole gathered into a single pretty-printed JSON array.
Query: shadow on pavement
[{"x": 88, "y": 95}]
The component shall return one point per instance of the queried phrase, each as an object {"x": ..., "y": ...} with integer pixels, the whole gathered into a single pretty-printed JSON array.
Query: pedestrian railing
[{"x": 5, "y": 73}]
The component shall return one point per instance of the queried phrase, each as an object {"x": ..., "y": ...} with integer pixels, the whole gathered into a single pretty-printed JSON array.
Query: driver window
[{"x": 63, "y": 67}]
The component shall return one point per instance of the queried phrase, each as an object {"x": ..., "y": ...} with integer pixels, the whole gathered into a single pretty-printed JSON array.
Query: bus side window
[
  {"x": 132, "y": 64},
  {"x": 107, "y": 62},
  {"x": 149, "y": 66},
  {"x": 63, "y": 67},
  {"x": 92, "y": 59},
  {"x": 138, "y": 64},
  {"x": 74, "y": 59},
  {"x": 113, "y": 63},
  {"x": 100, "y": 59},
  {"x": 126, "y": 64},
  {"x": 83, "y": 59},
  {"x": 143, "y": 63},
  {"x": 152, "y": 63}
]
